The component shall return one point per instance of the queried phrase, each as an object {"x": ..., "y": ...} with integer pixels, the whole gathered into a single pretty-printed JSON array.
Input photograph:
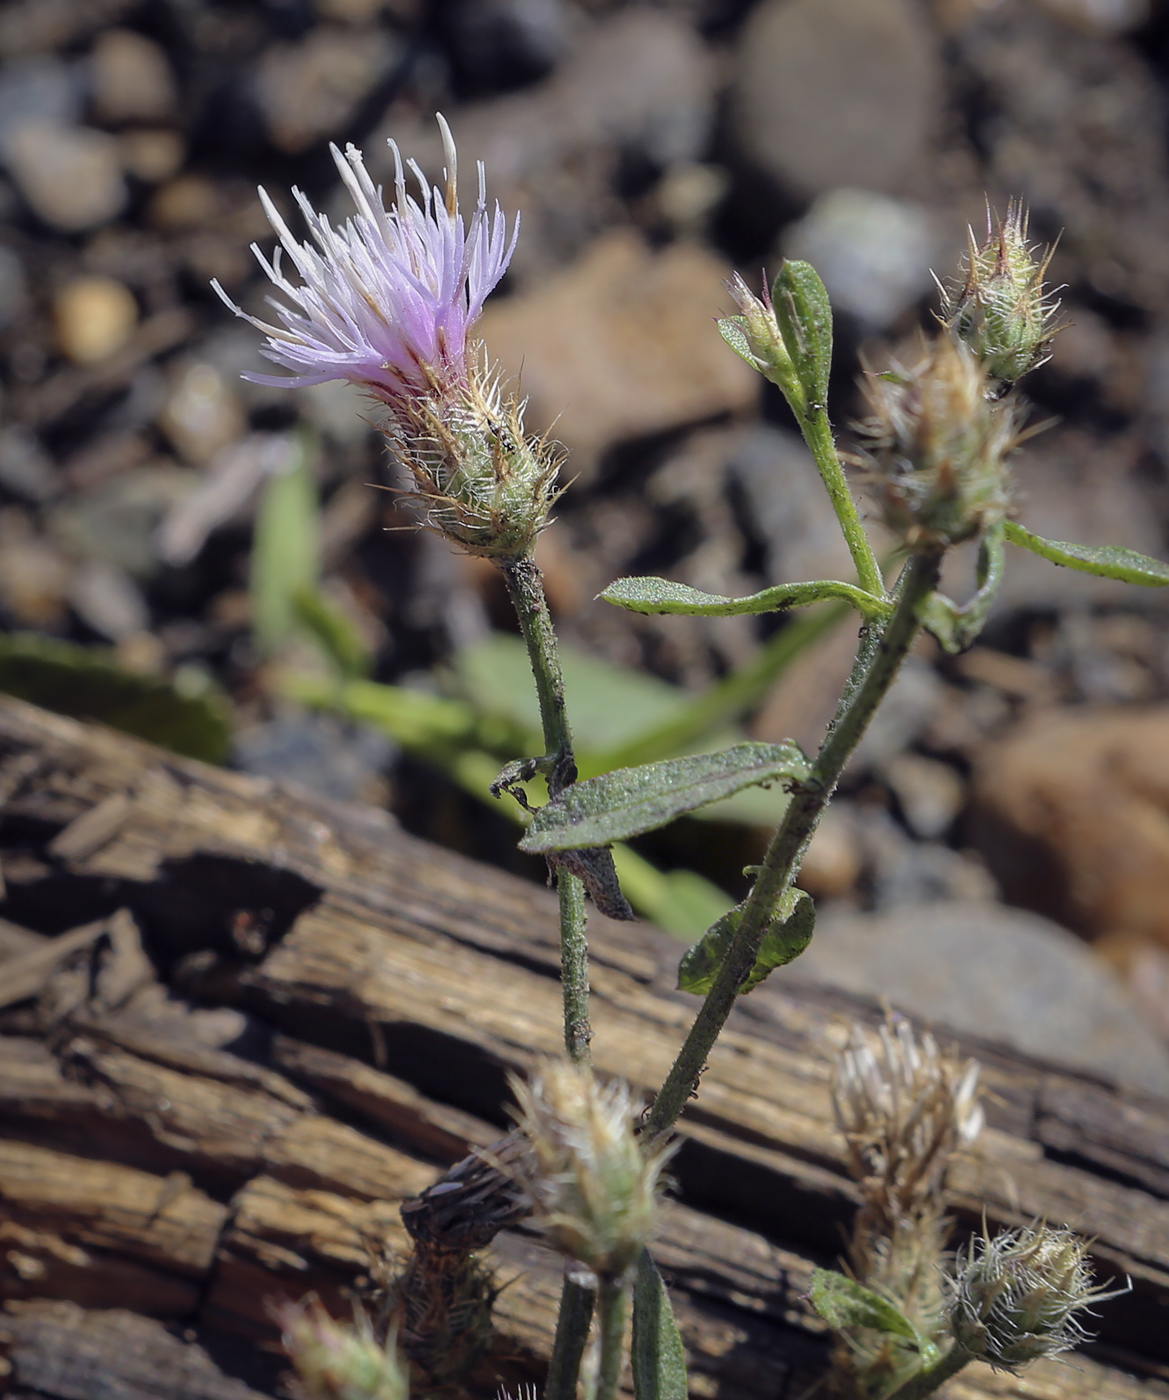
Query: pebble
[
  {"x": 202, "y": 414},
  {"x": 321, "y": 753},
  {"x": 929, "y": 793},
  {"x": 26, "y": 469},
  {"x": 152, "y": 154},
  {"x": 107, "y": 599},
  {"x": 994, "y": 973},
  {"x": 131, "y": 79},
  {"x": 873, "y": 252},
  {"x": 70, "y": 176},
  {"x": 501, "y": 44},
  {"x": 621, "y": 345},
  {"x": 37, "y": 90},
  {"x": 833, "y": 93},
  {"x": 1071, "y": 813},
  {"x": 93, "y": 317},
  {"x": 34, "y": 574},
  {"x": 309, "y": 92}
]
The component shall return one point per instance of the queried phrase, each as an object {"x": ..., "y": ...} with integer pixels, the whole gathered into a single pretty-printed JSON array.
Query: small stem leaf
[
  {"x": 731, "y": 328},
  {"x": 804, "y": 314},
  {"x": 788, "y": 934},
  {"x": 659, "y": 595},
  {"x": 629, "y": 801},
  {"x": 844, "y": 1303},
  {"x": 658, "y": 1356},
  {"x": 1106, "y": 561},
  {"x": 953, "y": 627}
]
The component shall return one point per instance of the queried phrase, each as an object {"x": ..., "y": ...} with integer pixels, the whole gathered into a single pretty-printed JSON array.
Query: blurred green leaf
[
  {"x": 788, "y": 934},
  {"x": 658, "y": 1357},
  {"x": 285, "y": 548},
  {"x": 680, "y": 901},
  {"x": 659, "y": 595},
  {"x": 336, "y": 634},
  {"x": 630, "y": 801},
  {"x": 190, "y": 716},
  {"x": 1106, "y": 561}
]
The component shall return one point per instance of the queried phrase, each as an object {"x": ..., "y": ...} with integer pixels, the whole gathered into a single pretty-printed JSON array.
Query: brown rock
[
  {"x": 310, "y": 91},
  {"x": 94, "y": 316},
  {"x": 837, "y": 92},
  {"x": 132, "y": 80},
  {"x": 71, "y": 176},
  {"x": 621, "y": 345},
  {"x": 1071, "y": 812}
]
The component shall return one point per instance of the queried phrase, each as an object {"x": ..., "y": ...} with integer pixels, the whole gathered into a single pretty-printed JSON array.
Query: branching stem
[{"x": 879, "y": 659}]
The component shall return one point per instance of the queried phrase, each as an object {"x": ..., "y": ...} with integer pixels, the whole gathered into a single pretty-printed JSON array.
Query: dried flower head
[
  {"x": 1002, "y": 309},
  {"x": 593, "y": 1186},
  {"x": 938, "y": 446},
  {"x": 337, "y": 1361},
  {"x": 386, "y": 301},
  {"x": 1022, "y": 1294}
]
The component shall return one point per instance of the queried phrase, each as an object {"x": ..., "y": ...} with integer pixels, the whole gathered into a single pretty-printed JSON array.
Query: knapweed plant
[{"x": 388, "y": 302}]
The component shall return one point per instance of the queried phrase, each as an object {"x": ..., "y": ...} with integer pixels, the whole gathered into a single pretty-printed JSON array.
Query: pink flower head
[{"x": 386, "y": 301}]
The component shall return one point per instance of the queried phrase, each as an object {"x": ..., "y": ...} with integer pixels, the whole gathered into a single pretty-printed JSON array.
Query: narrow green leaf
[
  {"x": 285, "y": 549},
  {"x": 843, "y": 1303},
  {"x": 804, "y": 314},
  {"x": 338, "y": 637},
  {"x": 731, "y": 330},
  {"x": 658, "y": 1356},
  {"x": 629, "y": 801},
  {"x": 788, "y": 934},
  {"x": 1106, "y": 561},
  {"x": 659, "y": 595}
]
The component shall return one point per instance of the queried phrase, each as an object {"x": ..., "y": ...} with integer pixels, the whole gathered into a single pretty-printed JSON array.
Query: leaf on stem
[
  {"x": 804, "y": 314},
  {"x": 844, "y": 1303},
  {"x": 954, "y": 628},
  {"x": 630, "y": 801},
  {"x": 658, "y": 1357},
  {"x": 1106, "y": 561},
  {"x": 788, "y": 934},
  {"x": 659, "y": 595}
]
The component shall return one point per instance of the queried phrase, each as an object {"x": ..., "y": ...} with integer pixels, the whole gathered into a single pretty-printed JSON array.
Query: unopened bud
[
  {"x": 338, "y": 1361},
  {"x": 479, "y": 479},
  {"x": 1002, "y": 310},
  {"x": 593, "y": 1187},
  {"x": 1021, "y": 1295},
  {"x": 756, "y": 337},
  {"x": 938, "y": 446}
]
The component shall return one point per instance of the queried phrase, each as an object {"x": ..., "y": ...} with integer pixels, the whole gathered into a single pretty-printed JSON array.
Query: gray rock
[
  {"x": 71, "y": 176},
  {"x": 37, "y": 90},
  {"x": 873, "y": 252},
  {"x": 26, "y": 469},
  {"x": 318, "y": 752},
  {"x": 837, "y": 92},
  {"x": 996, "y": 973},
  {"x": 107, "y": 599}
]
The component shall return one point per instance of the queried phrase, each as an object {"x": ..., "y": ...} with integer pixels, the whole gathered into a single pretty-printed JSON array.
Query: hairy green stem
[
  {"x": 613, "y": 1300},
  {"x": 879, "y": 659},
  {"x": 929, "y": 1378},
  {"x": 577, "y": 1299},
  {"x": 526, "y": 589},
  {"x": 817, "y": 431}
]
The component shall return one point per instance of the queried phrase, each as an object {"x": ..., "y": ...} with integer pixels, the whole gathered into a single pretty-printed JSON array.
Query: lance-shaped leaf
[
  {"x": 788, "y": 934},
  {"x": 804, "y": 314},
  {"x": 658, "y": 1357},
  {"x": 659, "y": 595},
  {"x": 1107, "y": 561},
  {"x": 843, "y": 1303},
  {"x": 629, "y": 801}
]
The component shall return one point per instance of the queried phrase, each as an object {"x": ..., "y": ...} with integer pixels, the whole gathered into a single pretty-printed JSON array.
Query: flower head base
[
  {"x": 1021, "y": 1295},
  {"x": 334, "y": 1361},
  {"x": 593, "y": 1187},
  {"x": 1002, "y": 310},
  {"x": 938, "y": 446},
  {"x": 386, "y": 302}
]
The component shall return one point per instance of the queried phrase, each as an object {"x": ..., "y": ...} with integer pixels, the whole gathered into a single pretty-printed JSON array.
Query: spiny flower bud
[
  {"x": 478, "y": 478},
  {"x": 1020, "y": 1296},
  {"x": 593, "y": 1187},
  {"x": 938, "y": 446},
  {"x": 335, "y": 1361},
  {"x": 1002, "y": 310}
]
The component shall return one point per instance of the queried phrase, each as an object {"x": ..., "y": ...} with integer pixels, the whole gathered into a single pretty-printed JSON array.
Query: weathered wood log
[{"x": 338, "y": 1010}]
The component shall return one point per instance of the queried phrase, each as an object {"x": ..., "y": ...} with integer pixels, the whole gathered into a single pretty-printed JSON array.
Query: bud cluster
[
  {"x": 593, "y": 1186},
  {"x": 938, "y": 446},
  {"x": 1002, "y": 309},
  {"x": 1020, "y": 1295}
]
